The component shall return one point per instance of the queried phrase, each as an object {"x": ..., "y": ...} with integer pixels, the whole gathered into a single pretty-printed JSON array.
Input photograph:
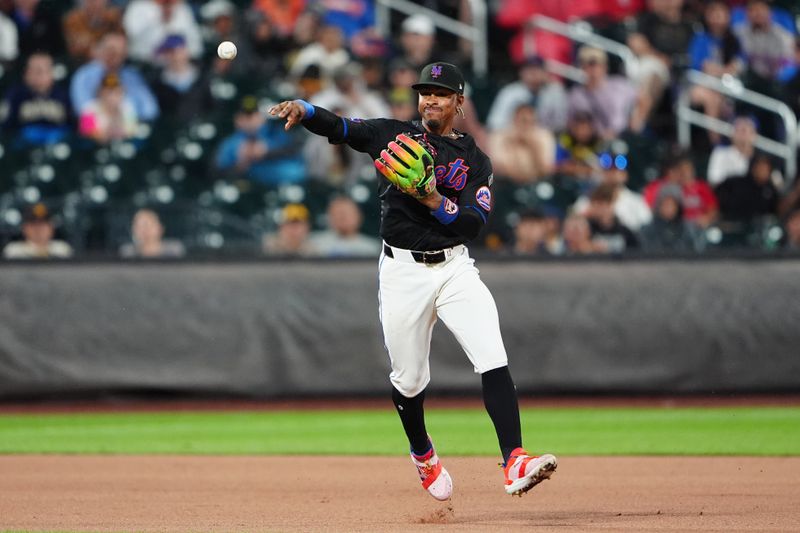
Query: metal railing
[
  {"x": 476, "y": 33},
  {"x": 733, "y": 88},
  {"x": 580, "y": 32}
]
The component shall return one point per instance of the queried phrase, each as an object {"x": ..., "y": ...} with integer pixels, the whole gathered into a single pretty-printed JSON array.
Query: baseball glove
[{"x": 407, "y": 162}]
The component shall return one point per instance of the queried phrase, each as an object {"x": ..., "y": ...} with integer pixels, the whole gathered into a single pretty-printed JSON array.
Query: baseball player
[{"x": 436, "y": 195}]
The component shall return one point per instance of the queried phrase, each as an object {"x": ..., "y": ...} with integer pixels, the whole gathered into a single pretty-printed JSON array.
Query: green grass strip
[{"x": 564, "y": 431}]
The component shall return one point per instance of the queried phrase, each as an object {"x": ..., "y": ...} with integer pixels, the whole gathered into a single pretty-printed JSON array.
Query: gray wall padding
[{"x": 274, "y": 328}]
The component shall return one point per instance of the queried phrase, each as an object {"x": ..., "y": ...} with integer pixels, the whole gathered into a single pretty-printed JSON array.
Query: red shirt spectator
[
  {"x": 515, "y": 13},
  {"x": 700, "y": 205}
]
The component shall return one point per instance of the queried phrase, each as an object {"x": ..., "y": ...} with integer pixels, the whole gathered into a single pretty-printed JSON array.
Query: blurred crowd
[{"x": 124, "y": 133}]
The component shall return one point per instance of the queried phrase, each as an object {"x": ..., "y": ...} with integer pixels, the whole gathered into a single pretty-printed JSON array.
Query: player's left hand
[{"x": 408, "y": 164}]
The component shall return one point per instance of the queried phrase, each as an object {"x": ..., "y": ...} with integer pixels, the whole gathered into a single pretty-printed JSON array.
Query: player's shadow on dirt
[{"x": 534, "y": 517}]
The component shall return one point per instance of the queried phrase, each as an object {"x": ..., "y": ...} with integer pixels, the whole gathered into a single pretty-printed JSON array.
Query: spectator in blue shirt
[
  {"x": 261, "y": 150},
  {"x": 351, "y": 17},
  {"x": 716, "y": 51},
  {"x": 37, "y": 110},
  {"x": 110, "y": 55}
]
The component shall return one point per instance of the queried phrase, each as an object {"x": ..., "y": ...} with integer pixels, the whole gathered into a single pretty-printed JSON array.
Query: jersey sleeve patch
[{"x": 484, "y": 198}]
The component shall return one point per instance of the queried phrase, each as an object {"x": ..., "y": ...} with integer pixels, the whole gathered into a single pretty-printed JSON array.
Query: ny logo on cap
[{"x": 436, "y": 71}]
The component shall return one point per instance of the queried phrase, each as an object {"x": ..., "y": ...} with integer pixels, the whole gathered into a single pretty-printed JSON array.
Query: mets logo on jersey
[
  {"x": 453, "y": 175},
  {"x": 484, "y": 198},
  {"x": 436, "y": 71}
]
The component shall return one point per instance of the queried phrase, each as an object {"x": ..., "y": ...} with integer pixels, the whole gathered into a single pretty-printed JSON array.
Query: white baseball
[{"x": 226, "y": 50}]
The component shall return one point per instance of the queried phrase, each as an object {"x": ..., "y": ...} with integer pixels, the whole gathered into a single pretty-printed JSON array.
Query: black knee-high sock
[
  {"x": 413, "y": 417},
  {"x": 500, "y": 399}
]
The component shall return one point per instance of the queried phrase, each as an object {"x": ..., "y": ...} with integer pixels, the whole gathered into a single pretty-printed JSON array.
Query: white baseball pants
[{"x": 412, "y": 295}]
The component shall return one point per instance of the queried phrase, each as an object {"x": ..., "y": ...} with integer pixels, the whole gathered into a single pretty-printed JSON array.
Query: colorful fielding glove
[{"x": 408, "y": 163}]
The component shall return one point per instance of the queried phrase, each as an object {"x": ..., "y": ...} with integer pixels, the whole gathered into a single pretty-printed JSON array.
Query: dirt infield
[{"x": 374, "y": 494}]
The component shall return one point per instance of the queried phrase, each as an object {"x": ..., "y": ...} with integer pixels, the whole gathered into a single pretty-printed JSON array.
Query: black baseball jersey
[{"x": 463, "y": 175}]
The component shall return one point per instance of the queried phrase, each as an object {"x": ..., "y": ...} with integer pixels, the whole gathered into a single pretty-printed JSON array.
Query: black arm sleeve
[
  {"x": 468, "y": 224},
  {"x": 325, "y": 123}
]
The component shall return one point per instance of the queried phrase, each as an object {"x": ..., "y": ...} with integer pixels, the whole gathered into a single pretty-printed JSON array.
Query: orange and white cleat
[
  {"x": 433, "y": 476},
  {"x": 523, "y": 471}
]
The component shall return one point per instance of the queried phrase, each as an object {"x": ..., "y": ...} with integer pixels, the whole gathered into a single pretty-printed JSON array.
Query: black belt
[{"x": 426, "y": 258}]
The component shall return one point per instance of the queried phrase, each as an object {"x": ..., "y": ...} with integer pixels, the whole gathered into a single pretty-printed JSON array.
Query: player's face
[{"x": 438, "y": 106}]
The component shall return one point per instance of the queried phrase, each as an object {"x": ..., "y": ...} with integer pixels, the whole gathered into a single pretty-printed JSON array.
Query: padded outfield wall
[{"x": 271, "y": 329}]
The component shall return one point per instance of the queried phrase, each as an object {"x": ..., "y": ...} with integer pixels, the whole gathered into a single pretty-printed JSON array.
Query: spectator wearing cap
[
  {"x": 613, "y": 101},
  {"x": 182, "y": 89},
  {"x": 149, "y": 22},
  {"x": 403, "y": 104},
  {"x": 37, "y": 110},
  {"x": 261, "y": 150},
  {"x": 523, "y": 151},
  {"x": 147, "y": 239},
  {"x": 9, "y": 41},
  {"x": 85, "y": 24},
  {"x": 669, "y": 232},
  {"x": 111, "y": 115},
  {"x": 328, "y": 52},
  {"x": 221, "y": 23},
  {"x": 110, "y": 55},
  {"x": 337, "y": 164},
  {"x": 700, "y": 205},
  {"x": 533, "y": 84},
  {"x": 343, "y": 238},
  {"x": 417, "y": 40},
  {"x": 309, "y": 83},
  {"x": 38, "y": 232},
  {"x": 579, "y": 148},
  {"x": 38, "y": 27},
  {"x": 292, "y": 236},
  {"x": 349, "y": 94}
]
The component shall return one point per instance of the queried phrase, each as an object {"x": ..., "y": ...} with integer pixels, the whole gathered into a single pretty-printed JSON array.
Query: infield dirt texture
[
  {"x": 340, "y": 494},
  {"x": 374, "y": 494}
]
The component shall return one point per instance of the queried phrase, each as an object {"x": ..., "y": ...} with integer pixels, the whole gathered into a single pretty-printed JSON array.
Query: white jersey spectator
[
  {"x": 733, "y": 160},
  {"x": 534, "y": 85},
  {"x": 327, "y": 52},
  {"x": 349, "y": 96},
  {"x": 149, "y": 22},
  {"x": 9, "y": 48},
  {"x": 343, "y": 238}
]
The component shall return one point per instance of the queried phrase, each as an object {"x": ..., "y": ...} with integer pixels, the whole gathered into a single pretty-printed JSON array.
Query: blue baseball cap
[{"x": 171, "y": 42}]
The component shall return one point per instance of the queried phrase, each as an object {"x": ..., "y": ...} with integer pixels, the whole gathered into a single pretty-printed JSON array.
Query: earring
[{"x": 460, "y": 111}]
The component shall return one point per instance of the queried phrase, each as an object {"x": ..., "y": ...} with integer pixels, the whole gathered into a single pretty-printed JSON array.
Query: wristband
[
  {"x": 446, "y": 212},
  {"x": 308, "y": 107}
]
